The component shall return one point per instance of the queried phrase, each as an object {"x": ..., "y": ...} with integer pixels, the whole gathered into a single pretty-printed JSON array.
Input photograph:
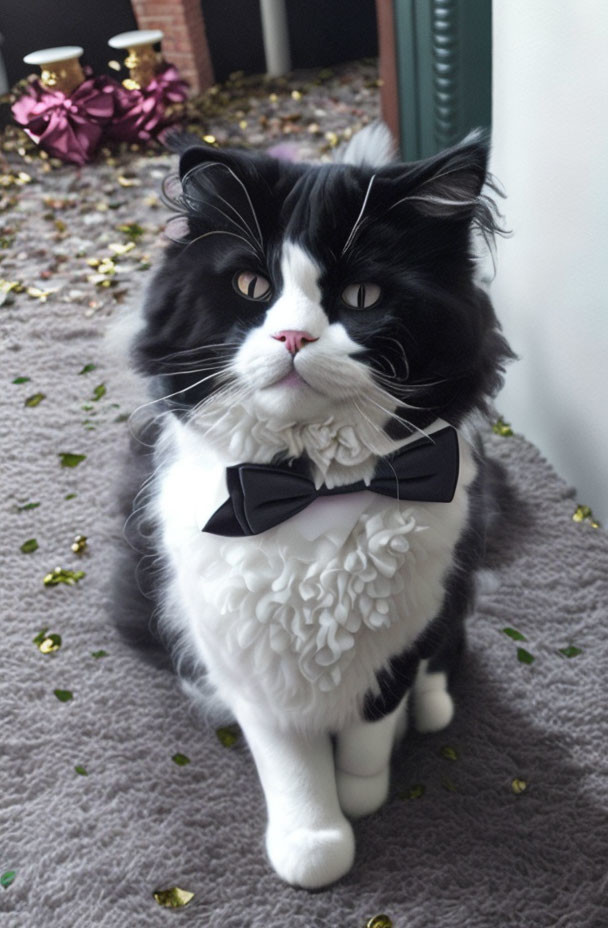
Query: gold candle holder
[
  {"x": 142, "y": 61},
  {"x": 60, "y": 67}
]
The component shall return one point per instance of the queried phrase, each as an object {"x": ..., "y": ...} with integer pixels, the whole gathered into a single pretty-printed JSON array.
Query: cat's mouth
[{"x": 293, "y": 380}]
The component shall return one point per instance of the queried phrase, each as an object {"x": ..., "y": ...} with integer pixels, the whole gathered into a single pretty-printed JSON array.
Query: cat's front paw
[
  {"x": 361, "y": 796},
  {"x": 311, "y": 857}
]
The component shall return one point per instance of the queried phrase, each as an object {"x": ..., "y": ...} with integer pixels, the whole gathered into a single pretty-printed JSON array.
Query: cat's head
[{"x": 305, "y": 291}]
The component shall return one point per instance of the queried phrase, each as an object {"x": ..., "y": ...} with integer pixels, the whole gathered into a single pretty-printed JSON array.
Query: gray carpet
[{"x": 90, "y": 850}]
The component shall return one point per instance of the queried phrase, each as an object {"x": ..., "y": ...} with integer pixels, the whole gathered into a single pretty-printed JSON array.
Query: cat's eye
[
  {"x": 361, "y": 296},
  {"x": 252, "y": 286}
]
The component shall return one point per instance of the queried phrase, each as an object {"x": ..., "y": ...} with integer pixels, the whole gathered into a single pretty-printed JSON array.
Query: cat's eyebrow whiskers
[{"x": 358, "y": 222}]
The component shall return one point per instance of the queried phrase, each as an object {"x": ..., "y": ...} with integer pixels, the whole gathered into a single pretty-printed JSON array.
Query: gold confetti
[
  {"x": 37, "y": 294},
  {"x": 132, "y": 229},
  {"x": 62, "y": 575},
  {"x": 35, "y": 399},
  {"x": 210, "y": 139},
  {"x": 449, "y": 753},
  {"x": 502, "y": 428},
  {"x": 584, "y": 514},
  {"x": 80, "y": 544},
  {"x": 413, "y": 792},
  {"x": 46, "y": 643},
  {"x": 8, "y": 286},
  {"x": 296, "y": 95},
  {"x": 120, "y": 249},
  {"x": 518, "y": 786},
  {"x": 379, "y": 921},
  {"x": 114, "y": 65},
  {"x": 332, "y": 139},
  {"x": 50, "y": 644},
  {"x": 228, "y": 735},
  {"x": 128, "y": 181},
  {"x": 273, "y": 98},
  {"x": 173, "y": 898},
  {"x": 242, "y": 124}
]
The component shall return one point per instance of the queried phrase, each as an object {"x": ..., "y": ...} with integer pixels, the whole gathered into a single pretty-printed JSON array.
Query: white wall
[{"x": 550, "y": 151}]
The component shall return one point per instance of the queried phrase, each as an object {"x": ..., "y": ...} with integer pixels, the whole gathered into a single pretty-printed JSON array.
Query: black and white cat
[{"x": 314, "y": 321}]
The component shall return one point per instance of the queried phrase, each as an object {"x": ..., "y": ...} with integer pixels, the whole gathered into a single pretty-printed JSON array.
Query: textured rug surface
[{"x": 96, "y": 815}]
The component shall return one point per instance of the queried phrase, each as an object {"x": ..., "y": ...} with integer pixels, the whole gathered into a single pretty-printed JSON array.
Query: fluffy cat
[{"x": 313, "y": 321}]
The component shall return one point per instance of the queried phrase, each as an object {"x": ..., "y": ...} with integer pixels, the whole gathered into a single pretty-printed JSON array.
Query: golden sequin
[{"x": 173, "y": 898}]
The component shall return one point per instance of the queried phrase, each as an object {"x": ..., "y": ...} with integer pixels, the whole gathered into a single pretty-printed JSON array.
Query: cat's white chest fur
[{"x": 299, "y": 618}]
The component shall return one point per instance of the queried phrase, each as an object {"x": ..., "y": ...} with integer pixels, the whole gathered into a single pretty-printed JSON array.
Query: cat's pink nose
[{"x": 294, "y": 339}]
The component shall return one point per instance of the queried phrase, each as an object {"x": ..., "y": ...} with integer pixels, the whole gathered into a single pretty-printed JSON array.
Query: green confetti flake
[
  {"x": 62, "y": 575},
  {"x": 122, "y": 417},
  {"x": 570, "y": 651},
  {"x": 68, "y": 459},
  {"x": 88, "y": 368},
  {"x": 228, "y": 735},
  {"x": 132, "y": 231},
  {"x": 70, "y": 496},
  {"x": 29, "y": 546},
  {"x": 174, "y": 898},
  {"x": 22, "y": 379},
  {"x": 81, "y": 770},
  {"x": 524, "y": 656},
  {"x": 7, "y": 878},
  {"x": 180, "y": 759},
  {"x": 98, "y": 392},
  {"x": 502, "y": 428},
  {"x": 63, "y": 695},
  {"x": 35, "y": 399},
  {"x": 413, "y": 792},
  {"x": 448, "y": 752},
  {"x": 98, "y": 654},
  {"x": 27, "y": 506},
  {"x": 449, "y": 785},
  {"x": 514, "y": 634}
]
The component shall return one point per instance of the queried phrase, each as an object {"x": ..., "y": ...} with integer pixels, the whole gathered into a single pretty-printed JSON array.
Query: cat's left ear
[{"x": 446, "y": 186}]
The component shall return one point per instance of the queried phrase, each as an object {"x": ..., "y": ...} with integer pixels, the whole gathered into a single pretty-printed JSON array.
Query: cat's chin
[{"x": 292, "y": 399}]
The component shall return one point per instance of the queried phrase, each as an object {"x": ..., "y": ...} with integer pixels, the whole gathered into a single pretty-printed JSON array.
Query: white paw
[
  {"x": 360, "y": 796},
  {"x": 433, "y": 710},
  {"x": 310, "y": 857}
]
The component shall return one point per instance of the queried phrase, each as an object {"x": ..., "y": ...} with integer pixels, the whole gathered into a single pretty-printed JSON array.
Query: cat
[{"x": 313, "y": 329}]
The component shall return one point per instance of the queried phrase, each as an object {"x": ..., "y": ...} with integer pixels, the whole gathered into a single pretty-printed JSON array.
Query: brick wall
[{"x": 185, "y": 42}]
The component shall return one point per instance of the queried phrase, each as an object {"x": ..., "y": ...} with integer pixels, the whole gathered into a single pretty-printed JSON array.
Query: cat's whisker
[
  {"x": 221, "y": 232},
  {"x": 358, "y": 222},
  {"x": 169, "y": 396},
  {"x": 216, "y": 164}
]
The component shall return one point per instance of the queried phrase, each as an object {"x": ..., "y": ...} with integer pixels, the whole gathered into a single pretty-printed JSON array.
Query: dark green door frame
[{"x": 444, "y": 71}]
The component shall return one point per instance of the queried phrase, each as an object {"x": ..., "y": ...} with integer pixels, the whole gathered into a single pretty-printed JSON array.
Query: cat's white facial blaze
[{"x": 306, "y": 384}]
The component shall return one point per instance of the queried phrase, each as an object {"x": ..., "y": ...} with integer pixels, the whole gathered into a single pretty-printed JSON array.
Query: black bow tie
[{"x": 263, "y": 495}]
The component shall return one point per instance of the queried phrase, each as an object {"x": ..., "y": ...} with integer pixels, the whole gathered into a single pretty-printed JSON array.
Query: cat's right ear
[{"x": 218, "y": 191}]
